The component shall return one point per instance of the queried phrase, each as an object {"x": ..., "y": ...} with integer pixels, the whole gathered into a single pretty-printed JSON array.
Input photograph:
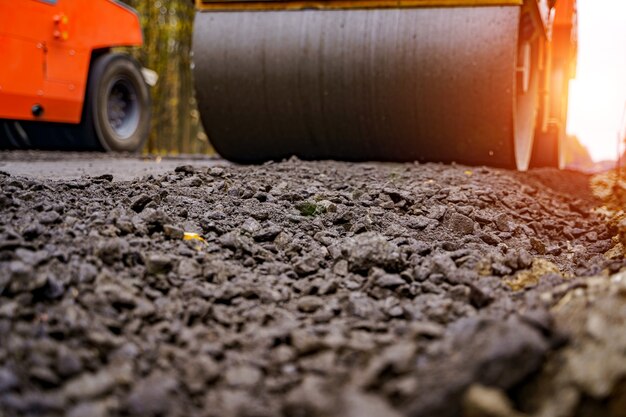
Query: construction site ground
[{"x": 136, "y": 286}]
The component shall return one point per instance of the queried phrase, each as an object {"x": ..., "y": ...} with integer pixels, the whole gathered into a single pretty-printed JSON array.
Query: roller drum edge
[{"x": 428, "y": 84}]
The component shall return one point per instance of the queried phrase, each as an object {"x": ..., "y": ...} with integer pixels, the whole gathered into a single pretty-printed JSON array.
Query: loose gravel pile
[{"x": 291, "y": 289}]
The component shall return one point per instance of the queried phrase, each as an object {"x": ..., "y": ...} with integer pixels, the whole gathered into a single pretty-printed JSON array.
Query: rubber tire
[
  {"x": 105, "y": 71},
  {"x": 60, "y": 137},
  {"x": 548, "y": 149},
  {"x": 13, "y": 136},
  {"x": 94, "y": 133}
]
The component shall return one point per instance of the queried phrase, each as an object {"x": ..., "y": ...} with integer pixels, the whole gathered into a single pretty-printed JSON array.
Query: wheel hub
[{"x": 122, "y": 108}]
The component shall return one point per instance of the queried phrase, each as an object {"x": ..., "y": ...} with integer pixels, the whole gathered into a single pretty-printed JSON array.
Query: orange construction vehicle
[
  {"x": 60, "y": 84},
  {"x": 561, "y": 54}
]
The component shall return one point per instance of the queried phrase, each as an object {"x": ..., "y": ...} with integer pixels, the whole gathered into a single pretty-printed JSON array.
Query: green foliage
[
  {"x": 168, "y": 26},
  {"x": 310, "y": 209}
]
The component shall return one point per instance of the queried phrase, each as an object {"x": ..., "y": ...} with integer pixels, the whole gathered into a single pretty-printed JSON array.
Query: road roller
[
  {"x": 62, "y": 85},
  {"x": 478, "y": 82}
]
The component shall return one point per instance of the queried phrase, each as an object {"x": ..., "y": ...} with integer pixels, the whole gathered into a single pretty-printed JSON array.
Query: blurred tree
[{"x": 167, "y": 26}]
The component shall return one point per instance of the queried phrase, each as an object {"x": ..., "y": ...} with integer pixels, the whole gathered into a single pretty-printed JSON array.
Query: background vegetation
[{"x": 167, "y": 26}]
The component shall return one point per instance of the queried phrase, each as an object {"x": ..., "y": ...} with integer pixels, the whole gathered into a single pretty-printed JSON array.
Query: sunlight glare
[{"x": 598, "y": 94}]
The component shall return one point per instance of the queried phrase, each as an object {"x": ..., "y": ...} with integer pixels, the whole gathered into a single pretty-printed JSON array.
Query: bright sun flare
[{"x": 598, "y": 95}]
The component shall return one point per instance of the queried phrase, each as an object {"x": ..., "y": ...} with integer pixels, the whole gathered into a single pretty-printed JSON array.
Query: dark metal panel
[{"x": 410, "y": 84}]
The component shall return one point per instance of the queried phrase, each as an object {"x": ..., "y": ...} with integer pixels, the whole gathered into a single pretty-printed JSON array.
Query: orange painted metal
[
  {"x": 563, "y": 58},
  {"x": 565, "y": 13},
  {"x": 45, "y": 53}
]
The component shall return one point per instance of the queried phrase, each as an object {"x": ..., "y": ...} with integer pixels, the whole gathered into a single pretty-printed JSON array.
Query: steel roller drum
[{"x": 427, "y": 84}]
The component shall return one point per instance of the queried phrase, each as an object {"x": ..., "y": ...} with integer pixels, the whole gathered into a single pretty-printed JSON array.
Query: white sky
[{"x": 598, "y": 94}]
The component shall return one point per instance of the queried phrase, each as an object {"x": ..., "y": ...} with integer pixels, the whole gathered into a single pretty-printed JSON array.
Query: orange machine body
[
  {"x": 565, "y": 13},
  {"x": 563, "y": 58},
  {"x": 46, "y": 47}
]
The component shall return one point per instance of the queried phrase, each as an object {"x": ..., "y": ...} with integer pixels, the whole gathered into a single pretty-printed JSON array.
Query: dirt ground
[{"x": 304, "y": 289}]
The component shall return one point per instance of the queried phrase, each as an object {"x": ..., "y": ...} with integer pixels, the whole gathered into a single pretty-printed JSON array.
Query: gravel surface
[{"x": 310, "y": 289}]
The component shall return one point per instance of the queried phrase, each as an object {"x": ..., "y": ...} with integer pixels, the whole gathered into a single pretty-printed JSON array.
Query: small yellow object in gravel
[
  {"x": 469, "y": 173},
  {"x": 193, "y": 236}
]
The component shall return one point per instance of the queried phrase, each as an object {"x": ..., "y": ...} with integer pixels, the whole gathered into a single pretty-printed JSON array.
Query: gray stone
[
  {"x": 158, "y": 263},
  {"x": 372, "y": 250},
  {"x": 90, "y": 385},
  {"x": 389, "y": 280},
  {"x": 307, "y": 265},
  {"x": 140, "y": 202},
  {"x": 189, "y": 268},
  {"x": 87, "y": 272},
  {"x": 503, "y": 222},
  {"x": 152, "y": 396},
  {"x": 360, "y": 404},
  {"x": 460, "y": 224},
  {"x": 243, "y": 376},
  {"x": 538, "y": 246},
  {"x": 49, "y": 217},
  {"x": 481, "y": 401},
  {"x": 90, "y": 409},
  {"x": 199, "y": 372},
  {"x": 23, "y": 278},
  {"x": 173, "y": 232},
  {"x": 112, "y": 250},
  {"x": 267, "y": 234},
  {"x": 8, "y": 380},
  {"x": 250, "y": 226},
  {"x": 310, "y": 304}
]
